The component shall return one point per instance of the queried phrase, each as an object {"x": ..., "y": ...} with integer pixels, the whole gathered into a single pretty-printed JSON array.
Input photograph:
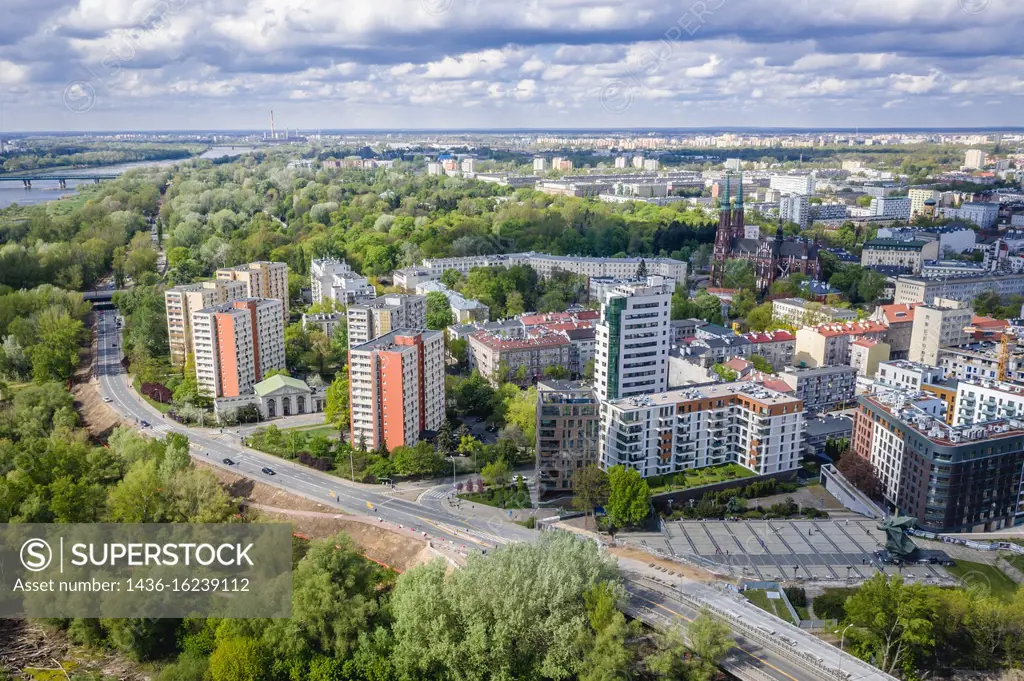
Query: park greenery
[{"x": 61, "y": 153}]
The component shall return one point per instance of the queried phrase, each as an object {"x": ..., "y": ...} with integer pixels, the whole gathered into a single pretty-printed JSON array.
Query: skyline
[{"x": 85, "y": 65}]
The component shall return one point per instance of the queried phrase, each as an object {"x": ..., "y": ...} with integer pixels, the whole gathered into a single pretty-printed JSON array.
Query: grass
[
  {"x": 1014, "y": 559},
  {"x": 316, "y": 429},
  {"x": 698, "y": 477},
  {"x": 759, "y": 597},
  {"x": 502, "y": 497},
  {"x": 984, "y": 578}
]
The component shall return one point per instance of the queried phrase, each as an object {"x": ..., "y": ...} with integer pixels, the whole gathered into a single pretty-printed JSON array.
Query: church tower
[{"x": 723, "y": 236}]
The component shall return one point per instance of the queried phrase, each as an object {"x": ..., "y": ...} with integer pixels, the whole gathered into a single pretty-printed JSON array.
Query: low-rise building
[
  {"x": 907, "y": 375},
  {"x": 818, "y": 431},
  {"x": 273, "y": 397},
  {"x": 777, "y": 347},
  {"x": 898, "y": 253},
  {"x": 900, "y": 322},
  {"x": 324, "y": 322},
  {"x": 800, "y": 312},
  {"x": 865, "y": 355},
  {"x": 465, "y": 310},
  {"x": 568, "y": 432},
  {"x": 501, "y": 357},
  {"x": 823, "y": 388},
  {"x": 829, "y": 344}
]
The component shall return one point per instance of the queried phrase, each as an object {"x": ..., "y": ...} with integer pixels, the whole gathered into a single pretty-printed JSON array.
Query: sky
[{"x": 73, "y": 65}]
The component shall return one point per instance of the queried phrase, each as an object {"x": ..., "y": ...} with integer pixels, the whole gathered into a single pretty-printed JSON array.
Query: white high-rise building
[
  {"x": 540, "y": 164},
  {"x": 621, "y": 162},
  {"x": 793, "y": 184},
  {"x": 236, "y": 344},
  {"x": 919, "y": 196},
  {"x": 332, "y": 279},
  {"x": 795, "y": 208},
  {"x": 633, "y": 338},
  {"x": 896, "y": 207},
  {"x": 468, "y": 165},
  {"x": 974, "y": 159}
]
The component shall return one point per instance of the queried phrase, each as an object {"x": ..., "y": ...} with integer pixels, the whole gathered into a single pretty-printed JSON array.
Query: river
[{"x": 49, "y": 190}]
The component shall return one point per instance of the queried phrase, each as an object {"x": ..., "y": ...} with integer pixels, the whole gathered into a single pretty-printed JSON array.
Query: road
[{"x": 762, "y": 653}]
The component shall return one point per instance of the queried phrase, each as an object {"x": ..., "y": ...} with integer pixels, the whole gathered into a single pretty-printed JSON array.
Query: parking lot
[{"x": 816, "y": 550}]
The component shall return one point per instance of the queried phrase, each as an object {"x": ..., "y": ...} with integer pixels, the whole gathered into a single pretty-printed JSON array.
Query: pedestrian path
[{"x": 437, "y": 493}]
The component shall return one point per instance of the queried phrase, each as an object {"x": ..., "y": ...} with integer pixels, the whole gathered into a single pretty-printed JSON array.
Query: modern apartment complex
[
  {"x": 396, "y": 384},
  {"x": 979, "y": 361},
  {"x": 668, "y": 432},
  {"x": 236, "y": 344},
  {"x": 963, "y": 478},
  {"x": 262, "y": 279},
  {"x": 332, "y": 279},
  {"x": 792, "y": 184},
  {"x": 633, "y": 338},
  {"x": 988, "y": 401},
  {"x": 380, "y": 316},
  {"x": 568, "y": 430},
  {"x": 181, "y": 301}
]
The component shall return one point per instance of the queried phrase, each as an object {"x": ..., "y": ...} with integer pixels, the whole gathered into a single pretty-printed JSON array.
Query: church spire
[
  {"x": 724, "y": 205},
  {"x": 739, "y": 195}
]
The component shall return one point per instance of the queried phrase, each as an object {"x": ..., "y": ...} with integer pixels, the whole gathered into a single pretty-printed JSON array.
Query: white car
[{"x": 107, "y": 399}]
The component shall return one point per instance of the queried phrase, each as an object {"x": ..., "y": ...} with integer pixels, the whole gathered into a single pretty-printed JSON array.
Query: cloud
[{"x": 483, "y": 62}]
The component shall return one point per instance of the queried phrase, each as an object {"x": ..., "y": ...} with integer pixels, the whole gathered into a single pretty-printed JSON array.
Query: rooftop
[
  {"x": 754, "y": 391},
  {"x": 850, "y": 328},
  {"x": 895, "y": 314},
  {"x": 277, "y": 382},
  {"x": 896, "y": 244},
  {"x": 769, "y": 336},
  {"x": 389, "y": 340},
  {"x": 502, "y": 343},
  {"x": 900, "y": 405}
]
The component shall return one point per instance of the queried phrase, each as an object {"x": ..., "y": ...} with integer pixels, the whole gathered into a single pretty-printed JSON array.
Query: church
[{"x": 773, "y": 257}]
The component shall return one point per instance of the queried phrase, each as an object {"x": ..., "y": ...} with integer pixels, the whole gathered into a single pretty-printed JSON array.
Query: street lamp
[
  {"x": 453, "y": 470},
  {"x": 842, "y": 640}
]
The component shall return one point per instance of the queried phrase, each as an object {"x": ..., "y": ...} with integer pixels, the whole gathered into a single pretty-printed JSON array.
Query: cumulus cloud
[{"x": 485, "y": 62}]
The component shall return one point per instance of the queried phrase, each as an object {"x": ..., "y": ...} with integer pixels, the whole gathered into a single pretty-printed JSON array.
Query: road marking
[{"x": 679, "y": 614}]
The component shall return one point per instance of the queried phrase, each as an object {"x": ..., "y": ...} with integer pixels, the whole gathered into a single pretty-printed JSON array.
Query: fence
[
  {"x": 773, "y": 642},
  {"x": 774, "y": 586},
  {"x": 970, "y": 543}
]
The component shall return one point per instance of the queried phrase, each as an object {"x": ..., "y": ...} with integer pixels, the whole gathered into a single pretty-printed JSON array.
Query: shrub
[
  {"x": 797, "y": 596},
  {"x": 830, "y": 605}
]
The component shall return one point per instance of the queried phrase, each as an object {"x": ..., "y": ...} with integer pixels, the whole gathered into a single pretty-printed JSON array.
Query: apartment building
[
  {"x": 909, "y": 255},
  {"x": 974, "y": 159},
  {"x": 668, "y": 432},
  {"x": 519, "y": 356},
  {"x": 325, "y": 322},
  {"x": 380, "y": 316},
  {"x": 396, "y": 385},
  {"x": 978, "y": 402},
  {"x": 963, "y": 288},
  {"x": 181, "y": 301},
  {"x": 633, "y": 338},
  {"x": 263, "y": 279},
  {"x": 800, "y": 312},
  {"x": 546, "y": 265},
  {"x": 979, "y": 361},
  {"x": 568, "y": 432},
  {"x": 899, "y": 320},
  {"x": 797, "y": 209},
  {"x": 792, "y": 184},
  {"x": 938, "y": 326},
  {"x": 892, "y": 207},
  {"x": 907, "y": 375},
  {"x": 777, "y": 347},
  {"x": 822, "y": 388},
  {"x": 964, "y": 478},
  {"x": 918, "y": 197},
  {"x": 332, "y": 279},
  {"x": 236, "y": 344},
  {"x": 985, "y": 215},
  {"x": 829, "y": 344}
]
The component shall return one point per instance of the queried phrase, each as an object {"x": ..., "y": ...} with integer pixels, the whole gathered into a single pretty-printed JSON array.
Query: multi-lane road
[{"x": 767, "y": 648}]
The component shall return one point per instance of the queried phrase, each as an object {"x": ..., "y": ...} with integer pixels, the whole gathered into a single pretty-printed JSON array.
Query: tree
[
  {"x": 861, "y": 474},
  {"x": 725, "y": 373},
  {"x": 445, "y": 439},
  {"x": 641, "y": 270},
  {"x": 894, "y": 622},
  {"x": 590, "y": 488},
  {"x": 556, "y": 372},
  {"x": 238, "y": 659},
  {"x": 739, "y": 274},
  {"x": 439, "y": 313},
  {"x": 514, "y": 304},
  {"x": 761, "y": 364},
  {"x": 521, "y": 410},
  {"x": 496, "y": 474},
  {"x": 629, "y": 497},
  {"x": 55, "y": 356},
  {"x": 710, "y": 640},
  {"x": 760, "y": 318},
  {"x": 336, "y": 409}
]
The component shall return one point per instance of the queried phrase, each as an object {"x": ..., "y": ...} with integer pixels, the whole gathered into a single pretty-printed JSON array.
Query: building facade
[
  {"x": 633, "y": 339},
  {"x": 332, "y": 279},
  {"x": 568, "y": 431},
  {"x": 181, "y": 301},
  {"x": 669, "y": 432},
  {"x": 829, "y": 344},
  {"x": 936, "y": 327},
  {"x": 262, "y": 279},
  {"x": 822, "y": 388},
  {"x": 396, "y": 386},
  {"x": 236, "y": 344},
  {"x": 383, "y": 315},
  {"x": 898, "y": 253},
  {"x": 777, "y": 347},
  {"x": 518, "y": 356},
  {"x": 962, "y": 288}
]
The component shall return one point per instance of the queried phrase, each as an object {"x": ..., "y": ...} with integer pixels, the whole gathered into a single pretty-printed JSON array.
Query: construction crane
[{"x": 1007, "y": 344}]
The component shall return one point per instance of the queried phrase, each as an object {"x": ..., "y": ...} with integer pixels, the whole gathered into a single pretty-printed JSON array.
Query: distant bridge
[{"x": 62, "y": 180}]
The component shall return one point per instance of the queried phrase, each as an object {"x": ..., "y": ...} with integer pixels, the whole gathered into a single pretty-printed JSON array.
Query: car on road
[
  {"x": 227, "y": 462},
  {"x": 268, "y": 471},
  {"x": 107, "y": 399},
  {"x": 144, "y": 424},
  {"x": 518, "y": 478},
  {"x": 492, "y": 429}
]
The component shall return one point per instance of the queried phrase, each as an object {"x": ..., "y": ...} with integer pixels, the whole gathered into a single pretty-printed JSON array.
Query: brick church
[{"x": 773, "y": 257}]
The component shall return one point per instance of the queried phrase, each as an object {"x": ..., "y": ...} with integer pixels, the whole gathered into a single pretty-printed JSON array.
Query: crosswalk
[{"x": 437, "y": 493}]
